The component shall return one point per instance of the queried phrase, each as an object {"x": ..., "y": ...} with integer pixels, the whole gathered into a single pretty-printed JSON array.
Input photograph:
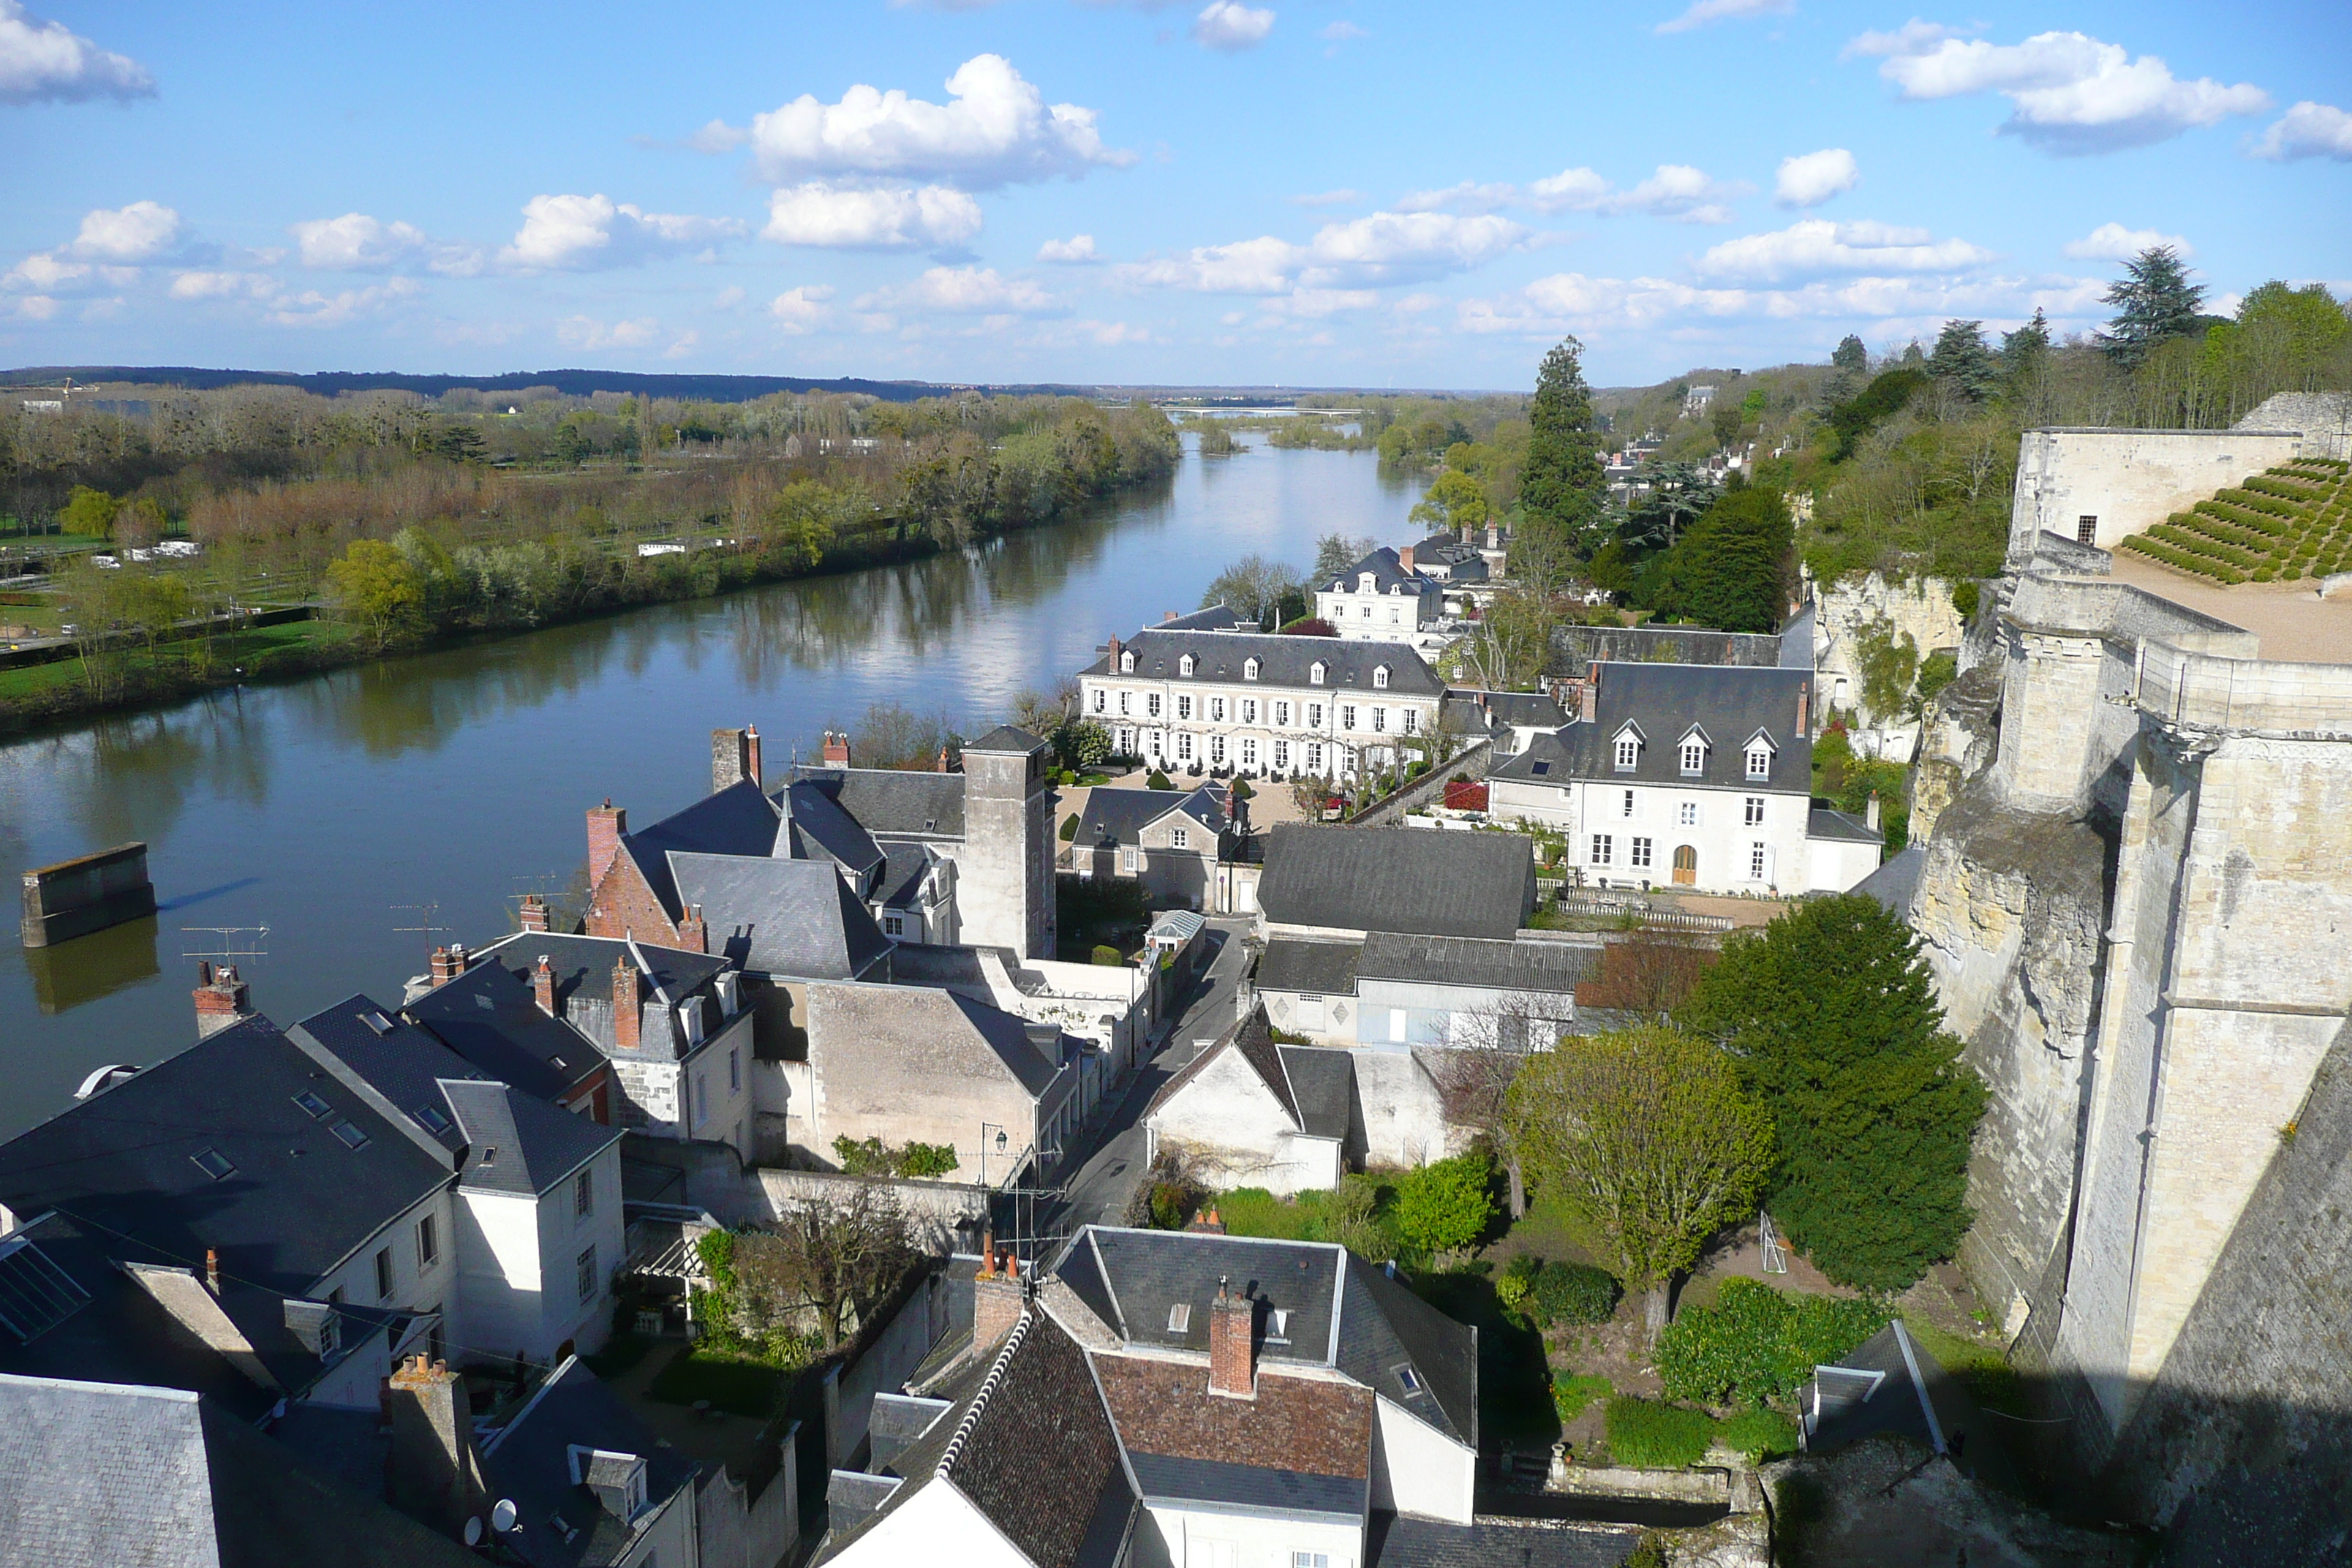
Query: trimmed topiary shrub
[
  {"x": 1562, "y": 1294},
  {"x": 1757, "y": 1344},
  {"x": 1648, "y": 1436},
  {"x": 1758, "y": 1434}
]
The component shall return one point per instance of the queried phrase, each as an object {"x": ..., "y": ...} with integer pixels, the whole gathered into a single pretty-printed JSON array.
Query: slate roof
[
  {"x": 895, "y": 802},
  {"x": 1431, "y": 884},
  {"x": 96, "y": 1474},
  {"x": 1825, "y": 822},
  {"x": 298, "y": 1201},
  {"x": 1007, "y": 738},
  {"x": 905, "y": 866},
  {"x": 1389, "y": 576},
  {"x": 819, "y": 827},
  {"x": 1895, "y": 881},
  {"x": 511, "y": 1140},
  {"x": 795, "y": 918},
  {"x": 529, "y": 1460},
  {"x": 1322, "y": 1087},
  {"x": 1115, "y": 816},
  {"x": 1520, "y": 710},
  {"x": 1317, "y": 968},
  {"x": 489, "y": 1015},
  {"x": 1481, "y": 963},
  {"x": 1214, "y": 618},
  {"x": 1283, "y": 661},
  {"x": 1384, "y": 1326},
  {"x": 737, "y": 820},
  {"x": 1913, "y": 1397},
  {"x": 868, "y": 1017},
  {"x": 1728, "y": 704},
  {"x": 1397, "y": 1540}
]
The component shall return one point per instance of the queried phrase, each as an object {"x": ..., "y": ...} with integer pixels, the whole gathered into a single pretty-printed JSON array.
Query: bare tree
[
  {"x": 1474, "y": 1075},
  {"x": 892, "y": 736},
  {"x": 835, "y": 1259},
  {"x": 1650, "y": 972}
]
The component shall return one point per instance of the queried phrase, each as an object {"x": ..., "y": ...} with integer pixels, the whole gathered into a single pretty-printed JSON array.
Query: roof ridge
[{"x": 1013, "y": 1342}]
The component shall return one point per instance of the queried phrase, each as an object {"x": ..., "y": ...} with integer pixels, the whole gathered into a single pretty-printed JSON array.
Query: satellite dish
[
  {"x": 473, "y": 1532},
  {"x": 502, "y": 1515}
]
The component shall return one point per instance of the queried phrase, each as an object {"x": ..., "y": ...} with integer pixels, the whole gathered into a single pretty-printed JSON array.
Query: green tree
[
  {"x": 1729, "y": 570},
  {"x": 1647, "y": 1137},
  {"x": 1445, "y": 1206},
  {"x": 1335, "y": 552},
  {"x": 1082, "y": 744},
  {"x": 378, "y": 588},
  {"x": 89, "y": 512},
  {"x": 1963, "y": 361},
  {"x": 1830, "y": 1013},
  {"x": 801, "y": 525},
  {"x": 1851, "y": 355},
  {"x": 1253, "y": 587},
  {"x": 2153, "y": 301},
  {"x": 1453, "y": 501},
  {"x": 2026, "y": 349},
  {"x": 1562, "y": 483}
]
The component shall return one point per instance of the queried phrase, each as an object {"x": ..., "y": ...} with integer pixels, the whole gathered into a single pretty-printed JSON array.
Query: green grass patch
[
  {"x": 621, "y": 1352},
  {"x": 1571, "y": 1392},
  {"x": 1760, "y": 1434},
  {"x": 737, "y": 1384},
  {"x": 1979, "y": 1368},
  {"x": 1649, "y": 1436}
]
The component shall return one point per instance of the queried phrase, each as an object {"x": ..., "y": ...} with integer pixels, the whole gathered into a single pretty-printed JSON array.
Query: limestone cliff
[{"x": 1958, "y": 740}]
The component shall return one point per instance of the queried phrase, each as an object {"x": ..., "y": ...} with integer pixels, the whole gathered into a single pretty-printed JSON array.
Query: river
[{"x": 347, "y": 811}]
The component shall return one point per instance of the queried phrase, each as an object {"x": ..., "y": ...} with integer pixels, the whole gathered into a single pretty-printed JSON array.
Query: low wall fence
[
  {"x": 1594, "y": 906},
  {"x": 1473, "y": 763}
]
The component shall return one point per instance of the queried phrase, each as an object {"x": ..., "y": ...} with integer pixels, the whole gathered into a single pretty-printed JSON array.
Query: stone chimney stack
[
  {"x": 1232, "y": 1323},
  {"x": 1588, "y": 701},
  {"x": 430, "y": 1471},
  {"x": 692, "y": 934},
  {"x": 752, "y": 768},
  {"x": 534, "y": 912},
  {"x": 1870, "y": 813},
  {"x": 1405, "y": 558},
  {"x": 222, "y": 999},
  {"x": 734, "y": 757},
  {"x": 1804, "y": 704},
  {"x": 607, "y": 824},
  {"x": 996, "y": 1299},
  {"x": 627, "y": 1019},
  {"x": 836, "y": 749},
  {"x": 542, "y": 985}
]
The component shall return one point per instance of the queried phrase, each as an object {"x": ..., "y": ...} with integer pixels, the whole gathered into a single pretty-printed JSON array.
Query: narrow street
[{"x": 1098, "y": 1191}]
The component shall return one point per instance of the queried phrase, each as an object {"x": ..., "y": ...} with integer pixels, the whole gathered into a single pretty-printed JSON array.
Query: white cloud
[
  {"x": 727, "y": 298},
  {"x": 682, "y": 345},
  {"x": 962, "y": 291},
  {"x": 1319, "y": 303},
  {"x": 1469, "y": 196},
  {"x": 1339, "y": 198},
  {"x": 313, "y": 308},
  {"x": 1817, "y": 246},
  {"x": 574, "y": 233},
  {"x": 1811, "y": 178},
  {"x": 586, "y": 332},
  {"x": 995, "y": 130},
  {"x": 2308, "y": 130},
  {"x": 802, "y": 310},
  {"x": 1676, "y": 191},
  {"x": 356, "y": 243},
  {"x": 854, "y": 218},
  {"x": 224, "y": 286},
  {"x": 1706, "y": 11},
  {"x": 2069, "y": 93},
  {"x": 1913, "y": 37},
  {"x": 2114, "y": 242},
  {"x": 31, "y": 307},
  {"x": 1229, "y": 25},
  {"x": 45, "y": 62},
  {"x": 1116, "y": 335},
  {"x": 1381, "y": 248},
  {"x": 1572, "y": 301},
  {"x": 1259, "y": 266},
  {"x": 1341, "y": 32},
  {"x": 143, "y": 231},
  {"x": 1077, "y": 249}
]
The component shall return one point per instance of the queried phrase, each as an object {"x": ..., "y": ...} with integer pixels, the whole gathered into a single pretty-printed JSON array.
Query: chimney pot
[
  {"x": 430, "y": 1471},
  {"x": 836, "y": 749},
  {"x": 542, "y": 985},
  {"x": 534, "y": 912},
  {"x": 221, "y": 1000},
  {"x": 212, "y": 1270},
  {"x": 997, "y": 1298},
  {"x": 1233, "y": 1344}
]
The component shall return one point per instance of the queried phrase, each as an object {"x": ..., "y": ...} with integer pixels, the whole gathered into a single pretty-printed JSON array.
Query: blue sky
[{"x": 1300, "y": 191}]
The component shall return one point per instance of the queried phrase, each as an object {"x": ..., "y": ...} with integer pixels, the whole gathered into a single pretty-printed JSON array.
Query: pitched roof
[
  {"x": 1302, "y": 1444},
  {"x": 1115, "y": 816},
  {"x": 783, "y": 917},
  {"x": 1037, "y": 1453},
  {"x": 1210, "y": 619},
  {"x": 737, "y": 820},
  {"x": 895, "y": 802},
  {"x": 819, "y": 827},
  {"x": 1842, "y": 825},
  {"x": 1322, "y": 1087},
  {"x": 1895, "y": 881},
  {"x": 1389, "y": 576},
  {"x": 489, "y": 1015},
  {"x": 1007, "y": 738},
  {"x": 876, "y": 1017},
  {"x": 529, "y": 1461},
  {"x": 1728, "y": 704},
  {"x": 1435, "y": 884},
  {"x": 1484, "y": 964},
  {"x": 1318, "y": 968},
  {"x": 293, "y": 1203},
  {"x": 94, "y": 1475},
  {"x": 1282, "y": 662},
  {"x": 1522, "y": 709},
  {"x": 1384, "y": 1326}
]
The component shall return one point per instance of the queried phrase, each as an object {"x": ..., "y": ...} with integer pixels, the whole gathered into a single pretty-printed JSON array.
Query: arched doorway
[{"x": 1685, "y": 866}]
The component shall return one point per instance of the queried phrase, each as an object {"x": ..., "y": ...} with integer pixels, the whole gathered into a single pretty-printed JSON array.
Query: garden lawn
[{"x": 737, "y": 1384}]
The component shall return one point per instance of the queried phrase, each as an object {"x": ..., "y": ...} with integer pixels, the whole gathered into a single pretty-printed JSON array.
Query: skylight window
[
  {"x": 312, "y": 1106},
  {"x": 213, "y": 1164},
  {"x": 1277, "y": 1327},
  {"x": 376, "y": 1021},
  {"x": 1179, "y": 1317},
  {"x": 347, "y": 1132},
  {"x": 433, "y": 1121},
  {"x": 1408, "y": 1379}
]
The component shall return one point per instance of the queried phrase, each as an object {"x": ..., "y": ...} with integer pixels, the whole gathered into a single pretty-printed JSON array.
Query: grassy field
[{"x": 178, "y": 667}]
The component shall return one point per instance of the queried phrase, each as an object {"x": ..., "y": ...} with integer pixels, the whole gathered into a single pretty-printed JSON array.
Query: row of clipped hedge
[{"x": 2295, "y": 519}]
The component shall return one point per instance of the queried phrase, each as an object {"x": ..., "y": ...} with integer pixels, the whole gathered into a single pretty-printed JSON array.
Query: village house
[
  {"x": 1688, "y": 776},
  {"x": 1381, "y": 598},
  {"x": 1171, "y": 843},
  {"x": 1511, "y": 721},
  {"x": 1249, "y": 1112},
  {"x": 1341, "y": 883},
  {"x": 1261, "y": 705},
  {"x": 1174, "y": 1397}
]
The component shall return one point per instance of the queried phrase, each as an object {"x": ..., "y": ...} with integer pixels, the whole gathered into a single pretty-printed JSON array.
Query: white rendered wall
[
  {"x": 1230, "y": 1120},
  {"x": 1418, "y": 1469},
  {"x": 2128, "y": 480},
  {"x": 1721, "y": 838},
  {"x": 938, "y": 1525},
  {"x": 1199, "y": 1536},
  {"x": 413, "y": 1287}
]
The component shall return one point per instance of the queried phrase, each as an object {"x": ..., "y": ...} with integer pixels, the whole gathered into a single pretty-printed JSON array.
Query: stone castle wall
[{"x": 2128, "y": 480}]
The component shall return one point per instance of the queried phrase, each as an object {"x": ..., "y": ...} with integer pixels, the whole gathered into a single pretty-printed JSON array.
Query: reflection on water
[
  {"x": 347, "y": 810},
  {"x": 92, "y": 966}
]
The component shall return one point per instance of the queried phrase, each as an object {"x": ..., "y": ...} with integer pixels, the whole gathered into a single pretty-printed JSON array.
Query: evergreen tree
[
  {"x": 1729, "y": 569},
  {"x": 1963, "y": 361},
  {"x": 2153, "y": 301},
  {"x": 1561, "y": 484},
  {"x": 2025, "y": 348},
  {"x": 1850, "y": 356},
  {"x": 1837, "y": 1031}
]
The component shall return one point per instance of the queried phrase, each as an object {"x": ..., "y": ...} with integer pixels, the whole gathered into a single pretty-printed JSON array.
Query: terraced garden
[{"x": 2293, "y": 521}]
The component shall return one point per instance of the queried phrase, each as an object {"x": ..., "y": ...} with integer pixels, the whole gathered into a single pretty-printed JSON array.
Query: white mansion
[{"x": 1260, "y": 704}]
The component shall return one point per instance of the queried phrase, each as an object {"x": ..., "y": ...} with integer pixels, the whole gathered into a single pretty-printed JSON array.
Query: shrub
[
  {"x": 1158, "y": 780},
  {"x": 1445, "y": 1206},
  {"x": 1653, "y": 1437},
  {"x": 1966, "y": 597},
  {"x": 1757, "y": 1434},
  {"x": 1573, "y": 1293},
  {"x": 1070, "y": 829},
  {"x": 1757, "y": 1344},
  {"x": 1104, "y": 953},
  {"x": 1571, "y": 1394}
]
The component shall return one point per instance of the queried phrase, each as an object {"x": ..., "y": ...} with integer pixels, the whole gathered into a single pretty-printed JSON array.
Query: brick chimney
[
  {"x": 751, "y": 769},
  {"x": 430, "y": 1471},
  {"x": 691, "y": 933},
  {"x": 626, "y": 1019},
  {"x": 212, "y": 1270},
  {"x": 534, "y": 912},
  {"x": 606, "y": 825},
  {"x": 542, "y": 985},
  {"x": 1804, "y": 706},
  {"x": 1232, "y": 1323},
  {"x": 996, "y": 1299},
  {"x": 221, "y": 998},
  {"x": 1113, "y": 647},
  {"x": 1405, "y": 558},
  {"x": 836, "y": 749},
  {"x": 1166, "y": 616},
  {"x": 1588, "y": 701}
]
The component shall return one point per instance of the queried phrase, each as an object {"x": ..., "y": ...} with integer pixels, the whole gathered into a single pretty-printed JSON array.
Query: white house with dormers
[
  {"x": 1381, "y": 598},
  {"x": 1259, "y": 704},
  {"x": 1696, "y": 776}
]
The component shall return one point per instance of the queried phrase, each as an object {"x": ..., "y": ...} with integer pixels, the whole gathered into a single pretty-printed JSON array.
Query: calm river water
[{"x": 337, "y": 810}]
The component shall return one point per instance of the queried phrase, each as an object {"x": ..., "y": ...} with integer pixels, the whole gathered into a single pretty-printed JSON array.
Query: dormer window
[
  {"x": 1315, "y": 673},
  {"x": 1760, "y": 760},
  {"x": 1694, "y": 756},
  {"x": 1127, "y": 662},
  {"x": 1380, "y": 678},
  {"x": 1184, "y": 664},
  {"x": 1249, "y": 670},
  {"x": 1629, "y": 752},
  {"x": 1364, "y": 584}
]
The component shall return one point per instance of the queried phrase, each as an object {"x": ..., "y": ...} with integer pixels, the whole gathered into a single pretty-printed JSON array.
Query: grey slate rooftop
[
  {"x": 794, "y": 918},
  {"x": 737, "y": 820},
  {"x": 529, "y": 1460},
  {"x": 1825, "y": 822},
  {"x": 1116, "y": 816},
  {"x": 1389, "y": 576},
  {"x": 1663, "y": 703},
  {"x": 1368, "y": 880},
  {"x": 1317, "y": 968},
  {"x": 1284, "y": 661},
  {"x": 1530, "y": 964},
  {"x": 894, "y": 802}
]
